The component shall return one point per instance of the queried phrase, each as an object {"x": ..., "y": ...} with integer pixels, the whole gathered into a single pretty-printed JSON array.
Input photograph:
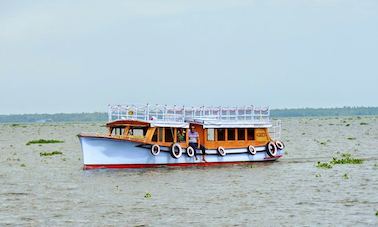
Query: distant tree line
[
  {"x": 323, "y": 112},
  {"x": 103, "y": 117},
  {"x": 59, "y": 117}
]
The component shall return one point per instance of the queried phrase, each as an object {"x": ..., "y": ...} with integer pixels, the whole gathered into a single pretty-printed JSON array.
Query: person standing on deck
[{"x": 194, "y": 142}]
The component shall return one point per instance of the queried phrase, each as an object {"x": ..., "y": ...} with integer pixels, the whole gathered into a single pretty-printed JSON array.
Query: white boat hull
[{"x": 102, "y": 152}]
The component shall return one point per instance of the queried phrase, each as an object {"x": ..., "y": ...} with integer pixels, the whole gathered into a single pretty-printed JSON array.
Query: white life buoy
[
  {"x": 155, "y": 149},
  {"x": 190, "y": 151},
  {"x": 271, "y": 149},
  {"x": 221, "y": 151},
  {"x": 252, "y": 150},
  {"x": 280, "y": 145},
  {"x": 176, "y": 150}
]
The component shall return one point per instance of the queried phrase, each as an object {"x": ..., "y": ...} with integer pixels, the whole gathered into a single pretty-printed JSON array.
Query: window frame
[
  {"x": 253, "y": 134},
  {"x": 238, "y": 134},
  {"x": 228, "y": 135}
]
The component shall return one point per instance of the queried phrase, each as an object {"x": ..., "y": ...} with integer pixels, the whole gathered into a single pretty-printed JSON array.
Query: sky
[{"x": 80, "y": 56}]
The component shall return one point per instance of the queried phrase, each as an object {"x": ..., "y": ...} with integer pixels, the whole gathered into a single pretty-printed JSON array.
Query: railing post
[
  {"x": 147, "y": 113},
  {"x": 183, "y": 109},
  {"x": 118, "y": 112},
  {"x": 174, "y": 112}
]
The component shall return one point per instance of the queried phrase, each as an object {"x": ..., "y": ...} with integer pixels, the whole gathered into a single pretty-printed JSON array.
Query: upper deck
[{"x": 181, "y": 116}]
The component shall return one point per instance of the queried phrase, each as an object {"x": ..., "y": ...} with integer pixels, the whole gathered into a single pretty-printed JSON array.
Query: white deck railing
[
  {"x": 275, "y": 130},
  {"x": 182, "y": 113}
]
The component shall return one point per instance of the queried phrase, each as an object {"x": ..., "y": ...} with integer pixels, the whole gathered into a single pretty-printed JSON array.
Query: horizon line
[{"x": 275, "y": 109}]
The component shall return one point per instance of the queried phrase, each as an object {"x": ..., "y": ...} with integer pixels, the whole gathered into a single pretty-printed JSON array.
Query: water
[{"x": 293, "y": 192}]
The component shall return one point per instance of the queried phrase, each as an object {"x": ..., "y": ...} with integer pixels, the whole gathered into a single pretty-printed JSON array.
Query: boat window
[
  {"x": 221, "y": 134},
  {"x": 155, "y": 136},
  {"x": 169, "y": 134},
  {"x": 118, "y": 131},
  {"x": 181, "y": 135},
  {"x": 230, "y": 134},
  {"x": 251, "y": 134},
  {"x": 210, "y": 134},
  {"x": 160, "y": 134},
  {"x": 137, "y": 132},
  {"x": 241, "y": 134}
]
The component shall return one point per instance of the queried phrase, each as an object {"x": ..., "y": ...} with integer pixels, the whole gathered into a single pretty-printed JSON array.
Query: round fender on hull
[
  {"x": 271, "y": 149},
  {"x": 221, "y": 151},
  {"x": 280, "y": 145},
  {"x": 252, "y": 150},
  {"x": 176, "y": 150},
  {"x": 155, "y": 149},
  {"x": 190, "y": 151}
]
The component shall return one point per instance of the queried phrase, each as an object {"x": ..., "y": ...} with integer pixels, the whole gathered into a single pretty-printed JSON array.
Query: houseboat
[{"x": 143, "y": 136}]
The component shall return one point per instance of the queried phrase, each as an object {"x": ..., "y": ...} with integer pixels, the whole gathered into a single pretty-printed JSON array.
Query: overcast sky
[{"x": 79, "y": 56}]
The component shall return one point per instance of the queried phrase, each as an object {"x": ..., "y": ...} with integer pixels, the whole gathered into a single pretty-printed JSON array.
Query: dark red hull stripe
[{"x": 134, "y": 166}]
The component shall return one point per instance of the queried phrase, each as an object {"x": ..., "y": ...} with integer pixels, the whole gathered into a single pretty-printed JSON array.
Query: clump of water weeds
[
  {"x": 43, "y": 141},
  {"x": 147, "y": 195},
  {"x": 363, "y": 123},
  {"x": 376, "y": 213},
  {"x": 50, "y": 153},
  {"x": 323, "y": 142},
  {"x": 345, "y": 158},
  {"x": 18, "y": 125},
  {"x": 324, "y": 165},
  {"x": 345, "y": 176}
]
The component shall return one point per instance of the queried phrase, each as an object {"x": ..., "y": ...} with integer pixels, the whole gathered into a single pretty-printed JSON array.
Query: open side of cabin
[{"x": 210, "y": 136}]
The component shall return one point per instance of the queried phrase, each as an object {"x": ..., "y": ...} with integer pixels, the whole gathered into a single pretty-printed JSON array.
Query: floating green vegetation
[
  {"x": 363, "y": 123},
  {"x": 50, "y": 153},
  {"x": 323, "y": 143},
  {"x": 351, "y": 138},
  {"x": 346, "y": 158},
  {"x": 347, "y": 125},
  {"x": 318, "y": 175},
  {"x": 324, "y": 165},
  {"x": 23, "y": 165},
  {"x": 376, "y": 213},
  {"x": 148, "y": 195},
  {"x": 43, "y": 141},
  {"x": 18, "y": 125},
  {"x": 345, "y": 176}
]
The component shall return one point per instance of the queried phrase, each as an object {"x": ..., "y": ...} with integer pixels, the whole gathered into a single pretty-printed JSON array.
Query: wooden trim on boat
[{"x": 127, "y": 123}]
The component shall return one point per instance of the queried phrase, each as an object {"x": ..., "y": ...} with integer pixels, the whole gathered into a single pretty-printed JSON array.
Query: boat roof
[{"x": 182, "y": 117}]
